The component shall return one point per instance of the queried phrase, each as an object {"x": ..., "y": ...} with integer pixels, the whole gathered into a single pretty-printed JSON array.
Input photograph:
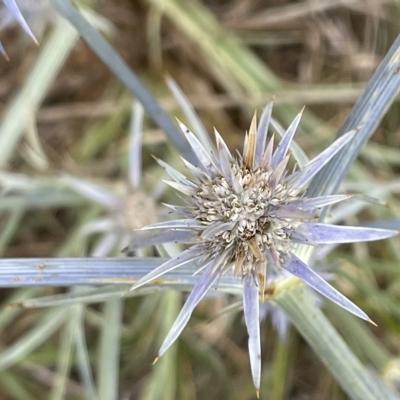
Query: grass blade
[
  {"x": 121, "y": 70},
  {"x": 45, "y": 327},
  {"x": 17, "y": 272},
  {"x": 366, "y": 114},
  {"x": 108, "y": 367},
  {"x": 17, "y": 115},
  {"x": 356, "y": 380}
]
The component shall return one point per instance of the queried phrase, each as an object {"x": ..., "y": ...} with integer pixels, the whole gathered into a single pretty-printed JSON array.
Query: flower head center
[{"x": 244, "y": 210}]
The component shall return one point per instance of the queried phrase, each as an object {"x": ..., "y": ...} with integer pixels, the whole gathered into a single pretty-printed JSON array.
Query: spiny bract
[
  {"x": 15, "y": 13},
  {"x": 243, "y": 216}
]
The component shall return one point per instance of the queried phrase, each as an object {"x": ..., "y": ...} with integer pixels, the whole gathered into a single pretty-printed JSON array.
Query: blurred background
[{"x": 73, "y": 185}]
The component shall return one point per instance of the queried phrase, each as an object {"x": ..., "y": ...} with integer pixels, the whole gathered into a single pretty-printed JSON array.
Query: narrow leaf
[
  {"x": 206, "y": 280},
  {"x": 303, "y": 176},
  {"x": 262, "y": 133},
  {"x": 251, "y": 310},
  {"x": 295, "y": 266},
  {"x": 327, "y": 234},
  {"x": 284, "y": 144},
  {"x": 183, "y": 258}
]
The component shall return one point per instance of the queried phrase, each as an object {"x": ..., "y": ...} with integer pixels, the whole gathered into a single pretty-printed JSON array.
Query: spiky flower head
[{"x": 243, "y": 217}]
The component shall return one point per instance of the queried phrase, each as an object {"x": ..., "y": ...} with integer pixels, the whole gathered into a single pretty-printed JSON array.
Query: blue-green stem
[{"x": 354, "y": 378}]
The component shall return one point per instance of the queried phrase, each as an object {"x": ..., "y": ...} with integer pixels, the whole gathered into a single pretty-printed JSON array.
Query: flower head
[
  {"x": 243, "y": 217},
  {"x": 127, "y": 210}
]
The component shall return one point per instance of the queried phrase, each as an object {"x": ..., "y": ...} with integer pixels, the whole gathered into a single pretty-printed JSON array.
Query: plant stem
[{"x": 312, "y": 324}]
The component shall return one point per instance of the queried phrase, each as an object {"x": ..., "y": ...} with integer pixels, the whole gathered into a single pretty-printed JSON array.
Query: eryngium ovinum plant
[{"x": 244, "y": 216}]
